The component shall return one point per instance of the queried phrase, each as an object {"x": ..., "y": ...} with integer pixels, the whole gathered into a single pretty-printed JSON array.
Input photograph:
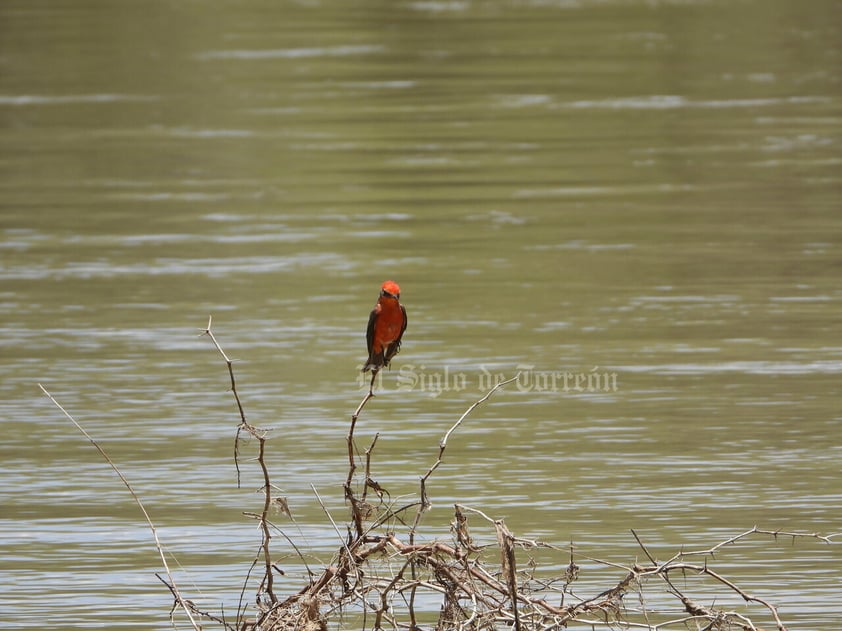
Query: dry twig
[
  {"x": 267, "y": 584},
  {"x": 181, "y": 602}
]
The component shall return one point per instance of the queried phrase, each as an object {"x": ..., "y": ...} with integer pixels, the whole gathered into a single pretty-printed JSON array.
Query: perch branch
[{"x": 356, "y": 512}]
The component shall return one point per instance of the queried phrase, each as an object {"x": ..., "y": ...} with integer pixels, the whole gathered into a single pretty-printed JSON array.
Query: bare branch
[
  {"x": 260, "y": 435},
  {"x": 382, "y": 567},
  {"x": 172, "y": 585},
  {"x": 425, "y": 504}
]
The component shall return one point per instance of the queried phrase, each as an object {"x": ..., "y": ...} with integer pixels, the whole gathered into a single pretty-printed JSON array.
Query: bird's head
[{"x": 390, "y": 289}]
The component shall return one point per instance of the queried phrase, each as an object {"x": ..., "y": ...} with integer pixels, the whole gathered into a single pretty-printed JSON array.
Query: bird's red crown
[{"x": 391, "y": 287}]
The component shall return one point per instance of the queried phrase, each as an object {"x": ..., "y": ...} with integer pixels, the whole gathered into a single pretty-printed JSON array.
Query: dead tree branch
[
  {"x": 425, "y": 503},
  {"x": 179, "y": 601},
  {"x": 382, "y": 574},
  {"x": 267, "y": 584}
]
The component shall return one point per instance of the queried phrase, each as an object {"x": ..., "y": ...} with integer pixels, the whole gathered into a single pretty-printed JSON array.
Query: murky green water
[{"x": 649, "y": 190}]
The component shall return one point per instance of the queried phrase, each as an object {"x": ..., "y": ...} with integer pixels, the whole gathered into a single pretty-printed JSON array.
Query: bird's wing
[
  {"x": 403, "y": 328},
  {"x": 369, "y": 332}
]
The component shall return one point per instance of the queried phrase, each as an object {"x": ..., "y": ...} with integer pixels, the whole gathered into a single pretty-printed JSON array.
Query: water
[{"x": 649, "y": 190}]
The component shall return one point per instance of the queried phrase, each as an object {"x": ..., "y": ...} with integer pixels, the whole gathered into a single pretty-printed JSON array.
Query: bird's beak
[{"x": 386, "y": 294}]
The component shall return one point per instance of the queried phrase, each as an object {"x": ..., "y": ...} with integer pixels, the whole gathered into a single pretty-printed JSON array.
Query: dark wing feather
[
  {"x": 369, "y": 332},
  {"x": 403, "y": 328}
]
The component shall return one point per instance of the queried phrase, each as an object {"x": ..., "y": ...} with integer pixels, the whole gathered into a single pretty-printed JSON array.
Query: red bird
[{"x": 386, "y": 325}]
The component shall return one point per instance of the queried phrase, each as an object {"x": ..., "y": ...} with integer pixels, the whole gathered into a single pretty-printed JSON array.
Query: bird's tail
[{"x": 375, "y": 362}]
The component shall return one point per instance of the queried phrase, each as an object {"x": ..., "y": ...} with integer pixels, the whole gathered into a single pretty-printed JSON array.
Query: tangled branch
[{"x": 483, "y": 578}]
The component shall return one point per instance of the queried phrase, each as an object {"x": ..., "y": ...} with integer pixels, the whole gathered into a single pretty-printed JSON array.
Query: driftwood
[{"x": 482, "y": 577}]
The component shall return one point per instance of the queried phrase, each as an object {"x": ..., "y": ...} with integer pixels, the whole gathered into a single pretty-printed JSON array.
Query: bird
[{"x": 386, "y": 325}]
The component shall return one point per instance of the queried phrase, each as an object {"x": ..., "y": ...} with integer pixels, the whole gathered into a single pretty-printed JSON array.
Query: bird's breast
[{"x": 389, "y": 321}]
